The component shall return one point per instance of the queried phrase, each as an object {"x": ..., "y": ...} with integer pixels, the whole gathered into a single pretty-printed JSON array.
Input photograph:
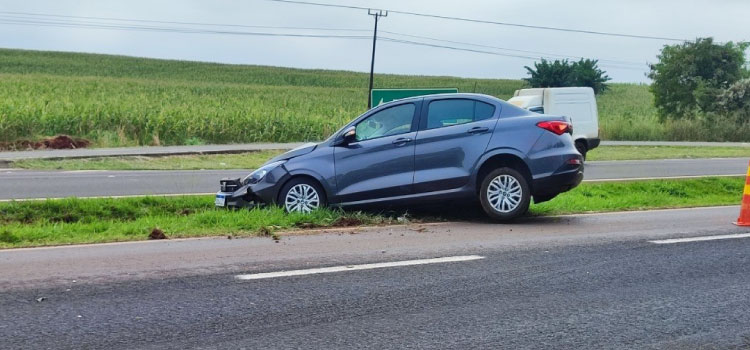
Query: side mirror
[{"x": 348, "y": 136}]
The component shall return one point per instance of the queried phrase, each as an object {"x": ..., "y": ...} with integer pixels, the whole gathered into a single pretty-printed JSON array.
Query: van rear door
[{"x": 579, "y": 105}]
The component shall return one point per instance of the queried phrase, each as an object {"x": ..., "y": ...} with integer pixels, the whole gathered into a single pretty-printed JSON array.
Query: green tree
[
  {"x": 734, "y": 101},
  {"x": 587, "y": 73},
  {"x": 690, "y": 76},
  {"x": 562, "y": 73},
  {"x": 549, "y": 74}
]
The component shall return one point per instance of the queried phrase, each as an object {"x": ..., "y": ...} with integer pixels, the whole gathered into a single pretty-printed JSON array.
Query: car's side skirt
[{"x": 456, "y": 193}]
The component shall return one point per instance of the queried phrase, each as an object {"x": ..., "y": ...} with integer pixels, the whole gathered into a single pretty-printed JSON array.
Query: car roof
[{"x": 448, "y": 95}]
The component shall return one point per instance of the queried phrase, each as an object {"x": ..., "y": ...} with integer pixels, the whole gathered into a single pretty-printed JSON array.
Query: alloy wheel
[
  {"x": 302, "y": 198},
  {"x": 504, "y": 193}
]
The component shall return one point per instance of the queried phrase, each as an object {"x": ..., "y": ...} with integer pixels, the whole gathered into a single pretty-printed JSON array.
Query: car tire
[
  {"x": 505, "y": 194},
  {"x": 302, "y": 195},
  {"x": 582, "y": 149}
]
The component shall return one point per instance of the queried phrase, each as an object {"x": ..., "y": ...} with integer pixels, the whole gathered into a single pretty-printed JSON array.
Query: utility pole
[{"x": 377, "y": 14}]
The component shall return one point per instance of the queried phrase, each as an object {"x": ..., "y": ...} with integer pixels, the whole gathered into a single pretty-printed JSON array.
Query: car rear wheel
[
  {"x": 505, "y": 194},
  {"x": 302, "y": 195}
]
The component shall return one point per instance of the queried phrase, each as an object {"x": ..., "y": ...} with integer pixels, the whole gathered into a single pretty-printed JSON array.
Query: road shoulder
[{"x": 103, "y": 263}]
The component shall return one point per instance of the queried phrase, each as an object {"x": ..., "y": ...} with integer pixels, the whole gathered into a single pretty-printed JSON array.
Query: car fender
[
  {"x": 311, "y": 173},
  {"x": 495, "y": 152}
]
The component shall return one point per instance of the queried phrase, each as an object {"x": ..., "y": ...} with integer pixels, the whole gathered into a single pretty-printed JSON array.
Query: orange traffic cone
[{"x": 744, "y": 219}]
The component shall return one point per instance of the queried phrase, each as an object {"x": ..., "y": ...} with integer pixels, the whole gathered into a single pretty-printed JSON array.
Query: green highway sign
[{"x": 380, "y": 96}]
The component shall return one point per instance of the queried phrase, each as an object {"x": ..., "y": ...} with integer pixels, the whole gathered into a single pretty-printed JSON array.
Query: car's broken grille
[{"x": 230, "y": 185}]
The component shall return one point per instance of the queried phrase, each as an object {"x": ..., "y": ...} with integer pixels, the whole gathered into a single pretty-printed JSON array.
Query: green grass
[
  {"x": 641, "y": 195},
  {"x": 665, "y": 152},
  {"x": 70, "y": 221},
  {"x": 249, "y": 160}
]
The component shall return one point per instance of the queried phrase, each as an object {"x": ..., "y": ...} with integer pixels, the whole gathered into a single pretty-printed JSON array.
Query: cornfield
[{"x": 116, "y": 101}]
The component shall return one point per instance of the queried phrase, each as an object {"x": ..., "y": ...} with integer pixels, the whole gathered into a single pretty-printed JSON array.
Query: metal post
[{"x": 377, "y": 14}]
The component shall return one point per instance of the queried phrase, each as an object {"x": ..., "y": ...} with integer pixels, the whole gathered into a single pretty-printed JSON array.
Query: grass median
[
  {"x": 665, "y": 152},
  {"x": 247, "y": 160},
  {"x": 72, "y": 221}
]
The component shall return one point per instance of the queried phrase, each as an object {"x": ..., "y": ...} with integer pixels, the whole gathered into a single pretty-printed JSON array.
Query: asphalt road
[
  {"x": 18, "y": 184},
  {"x": 588, "y": 281},
  {"x": 10, "y": 156}
]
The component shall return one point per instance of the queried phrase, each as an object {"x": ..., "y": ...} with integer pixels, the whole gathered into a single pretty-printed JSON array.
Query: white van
[{"x": 576, "y": 103}]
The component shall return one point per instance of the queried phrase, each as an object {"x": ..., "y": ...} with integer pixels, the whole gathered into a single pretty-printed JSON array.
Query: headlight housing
[{"x": 261, "y": 172}]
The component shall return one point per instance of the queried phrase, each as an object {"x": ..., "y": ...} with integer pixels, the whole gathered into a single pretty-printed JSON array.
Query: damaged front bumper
[
  {"x": 234, "y": 195},
  {"x": 239, "y": 193}
]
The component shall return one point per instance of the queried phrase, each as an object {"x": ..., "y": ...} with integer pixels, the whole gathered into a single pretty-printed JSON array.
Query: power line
[
  {"x": 177, "y": 22},
  {"x": 463, "y": 19},
  {"x": 130, "y": 27},
  {"x": 29, "y": 18},
  {"x": 52, "y": 23},
  {"x": 509, "y": 49},
  {"x": 409, "y": 42}
]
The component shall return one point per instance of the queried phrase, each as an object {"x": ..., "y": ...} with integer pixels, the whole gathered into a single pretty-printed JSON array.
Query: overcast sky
[{"x": 725, "y": 20}]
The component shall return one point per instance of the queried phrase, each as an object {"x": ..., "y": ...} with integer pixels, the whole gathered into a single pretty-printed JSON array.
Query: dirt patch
[
  {"x": 346, "y": 222},
  {"x": 306, "y": 225},
  {"x": 66, "y": 218},
  {"x": 57, "y": 142},
  {"x": 65, "y": 142},
  {"x": 156, "y": 233}
]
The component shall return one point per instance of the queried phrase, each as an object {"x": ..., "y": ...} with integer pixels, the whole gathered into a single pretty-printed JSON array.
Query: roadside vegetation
[
  {"x": 126, "y": 101},
  {"x": 563, "y": 73},
  {"x": 643, "y": 195},
  {"x": 71, "y": 221},
  {"x": 252, "y": 160},
  {"x": 700, "y": 92}
]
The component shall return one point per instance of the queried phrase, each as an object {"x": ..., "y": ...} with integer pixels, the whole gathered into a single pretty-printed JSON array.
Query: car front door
[
  {"x": 380, "y": 162},
  {"x": 453, "y": 134}
]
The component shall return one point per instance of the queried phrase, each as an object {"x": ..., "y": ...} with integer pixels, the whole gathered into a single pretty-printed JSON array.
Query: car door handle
[
  {"x": 478, "y": 130},
  {"x": 401, "y": 141}
]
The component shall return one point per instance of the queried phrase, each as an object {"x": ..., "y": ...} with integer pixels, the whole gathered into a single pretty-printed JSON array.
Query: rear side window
[{"x": 458, "y": 111}]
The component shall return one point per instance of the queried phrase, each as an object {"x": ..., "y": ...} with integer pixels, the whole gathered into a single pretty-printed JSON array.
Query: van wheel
[
  {"x": 582, "y": 149},
  {"x": 505, "y": 194},
  {"x": 302, "y": 195}
]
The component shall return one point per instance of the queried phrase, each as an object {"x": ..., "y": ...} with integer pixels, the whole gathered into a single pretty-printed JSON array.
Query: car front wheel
[
  {"x": 302, "y": 195},
  {"x": 505, "y": 194}
]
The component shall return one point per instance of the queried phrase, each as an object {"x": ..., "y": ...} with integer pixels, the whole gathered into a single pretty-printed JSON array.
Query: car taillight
[{"x": 555, "y": 126}]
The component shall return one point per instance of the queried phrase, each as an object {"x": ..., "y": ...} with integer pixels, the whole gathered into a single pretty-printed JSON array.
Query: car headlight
[{"x": 261, "y": 172}]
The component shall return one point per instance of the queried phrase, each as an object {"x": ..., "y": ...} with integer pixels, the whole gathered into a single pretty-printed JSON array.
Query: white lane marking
[
  {"x": 700, "y": 239},
  {"x": 624, "y": 179},
  {"x": 257, "y": 276}
]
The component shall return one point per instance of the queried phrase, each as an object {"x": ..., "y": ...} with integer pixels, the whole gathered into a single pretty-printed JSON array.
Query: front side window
[
  {"x": 458, "y": 111},
  {"x": 388, "y": 122}
]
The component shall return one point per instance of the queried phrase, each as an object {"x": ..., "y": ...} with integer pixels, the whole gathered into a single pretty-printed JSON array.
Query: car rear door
[
  {"x": 453, "y": 134},
  {"x": 380, "y": 163}
]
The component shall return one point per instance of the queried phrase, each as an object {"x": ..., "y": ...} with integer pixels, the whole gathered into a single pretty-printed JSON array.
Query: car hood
[{"x": 304, "y": 149}]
